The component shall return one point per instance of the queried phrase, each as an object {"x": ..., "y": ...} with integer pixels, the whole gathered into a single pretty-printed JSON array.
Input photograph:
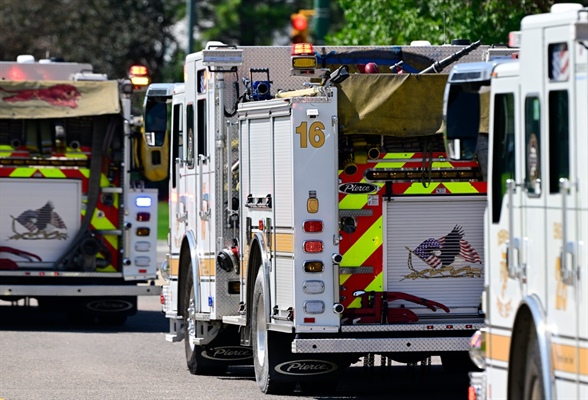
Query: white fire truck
[
  {"x": 535, "y": 343},
  {"x": 77, "y": 226},
  {"x": 314, "y": 216}
]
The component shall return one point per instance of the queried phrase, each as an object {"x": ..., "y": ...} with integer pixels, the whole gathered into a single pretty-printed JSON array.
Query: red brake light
[
  {"x": 313, "y": 226},
  {"x": 313, "y": 246}
]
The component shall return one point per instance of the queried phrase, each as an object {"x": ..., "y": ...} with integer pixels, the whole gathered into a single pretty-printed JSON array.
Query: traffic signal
[{"x": 299, "y": 28}]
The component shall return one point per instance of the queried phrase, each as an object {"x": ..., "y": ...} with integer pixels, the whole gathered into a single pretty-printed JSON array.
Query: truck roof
[{"x": 41, "y": 71}]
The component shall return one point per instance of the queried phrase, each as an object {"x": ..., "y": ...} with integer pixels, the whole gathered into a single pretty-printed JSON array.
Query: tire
[
  {"x": 533, "y": 387},
  {"x": 266, "y": 346},
  {"x": 196, "y": 362}
]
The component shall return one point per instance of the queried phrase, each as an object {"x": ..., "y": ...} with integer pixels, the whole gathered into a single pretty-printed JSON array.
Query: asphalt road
[{"x": 43, "y": 356}]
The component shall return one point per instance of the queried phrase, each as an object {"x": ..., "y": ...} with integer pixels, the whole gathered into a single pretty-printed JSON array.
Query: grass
[{"x": 162, "y": 220}]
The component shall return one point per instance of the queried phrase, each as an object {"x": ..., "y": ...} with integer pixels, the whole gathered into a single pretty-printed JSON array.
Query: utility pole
[
  {"x": 320, "y": 21},
  {"x": 190, "y": 11}
]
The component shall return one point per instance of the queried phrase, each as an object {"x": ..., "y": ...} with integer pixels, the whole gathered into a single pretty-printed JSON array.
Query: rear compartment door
[{"x": 435, "y": 251}]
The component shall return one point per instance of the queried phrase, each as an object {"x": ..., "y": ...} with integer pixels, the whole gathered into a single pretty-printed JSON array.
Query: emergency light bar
[
  {"x": 139, "y": 76},
  {"x": 303, "y": 59}
]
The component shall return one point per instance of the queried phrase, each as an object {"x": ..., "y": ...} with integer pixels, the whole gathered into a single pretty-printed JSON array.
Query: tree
[
  {"x": 384, "y": 22},
  {"x": 246, "y": 22},
  {"x": 109, "y": 34}
]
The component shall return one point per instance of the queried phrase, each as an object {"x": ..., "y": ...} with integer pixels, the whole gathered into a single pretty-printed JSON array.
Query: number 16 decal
[{"x": 315, "y": 134}]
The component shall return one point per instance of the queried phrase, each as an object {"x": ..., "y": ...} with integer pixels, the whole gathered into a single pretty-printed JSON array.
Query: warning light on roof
[{"x": 139, "y": 76}]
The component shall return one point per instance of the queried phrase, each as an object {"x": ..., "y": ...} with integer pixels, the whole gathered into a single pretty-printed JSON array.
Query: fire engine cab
[
  {"x": 535, "y": 343},
  {"x": 78, "y": 228},
  {"x": 314, "y": 216}
]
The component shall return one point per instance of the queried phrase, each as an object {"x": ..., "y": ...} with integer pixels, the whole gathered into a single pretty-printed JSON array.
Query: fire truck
[
  {"x": 535, "y": 342},
  {"x": 78, "y": 227},
  {"x": 314, "y": 216}
]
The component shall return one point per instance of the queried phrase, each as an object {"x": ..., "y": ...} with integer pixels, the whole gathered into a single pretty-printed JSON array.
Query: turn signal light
[
  {"x": 313, "y": 266},
  {"x": 143, "y": 231}
]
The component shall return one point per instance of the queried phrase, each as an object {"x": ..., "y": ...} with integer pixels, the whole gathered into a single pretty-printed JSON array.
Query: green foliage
[
  {"x": 162, "y": 220},
  {"x": 109, "y": 34},
  {"x": 384, "y": 22},
  {"x": 244, "y": 22}
]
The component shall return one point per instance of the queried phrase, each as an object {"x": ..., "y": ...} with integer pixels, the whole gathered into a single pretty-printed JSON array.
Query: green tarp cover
[
  {"x": 57, "y": 99},
  {"x": 392, "y": 104}
]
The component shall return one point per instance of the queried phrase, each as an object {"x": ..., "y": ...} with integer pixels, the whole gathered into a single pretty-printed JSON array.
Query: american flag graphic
[{"x": 443, "y": 251}]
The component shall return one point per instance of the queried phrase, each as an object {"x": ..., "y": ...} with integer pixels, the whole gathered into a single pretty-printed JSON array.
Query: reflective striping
[
  {"x": 363, "y": 248},
  {"x": 207, "y": 266},
  {"x": 284, "y": 242},
  {"x": 353, "y": 201},
  {"x": 419, "y": 188},
  {"x": 23, "y": 172},
  {"x": 498, "y": 347},
  {"x": 461, "y": 187},
  {"x": 174, "y": 264},
  {"x": 52, "y": 173},
  {"x": 565, "y": 359},
  {"x": 398, "y": 155}
]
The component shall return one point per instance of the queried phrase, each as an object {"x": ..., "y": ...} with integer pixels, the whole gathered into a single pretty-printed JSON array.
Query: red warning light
[{"x": 16, "y": 74}]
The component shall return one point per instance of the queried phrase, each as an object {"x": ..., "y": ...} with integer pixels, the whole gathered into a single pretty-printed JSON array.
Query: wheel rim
[
  {"x": 260, "y": 332},
  {"x": 191, "y": 319}
]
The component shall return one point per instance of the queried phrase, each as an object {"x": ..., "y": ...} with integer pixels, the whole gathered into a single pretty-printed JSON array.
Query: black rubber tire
[
  {"x": 197, "y": 364},
  {"x": 266, "y": 346},
  {"x": 533, "y": 387}
]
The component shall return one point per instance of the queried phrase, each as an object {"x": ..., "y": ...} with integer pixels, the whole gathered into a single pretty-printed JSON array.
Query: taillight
[
  {"x": 313, "y": 246},
  {"x": 313, "y": 226}
]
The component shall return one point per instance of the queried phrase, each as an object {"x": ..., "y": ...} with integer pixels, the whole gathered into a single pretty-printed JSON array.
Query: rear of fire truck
[
  {"x": 77, "y": 226},
  {"x": 314, "y": 216}
]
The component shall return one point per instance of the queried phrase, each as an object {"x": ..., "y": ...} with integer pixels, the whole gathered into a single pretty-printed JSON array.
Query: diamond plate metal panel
[
  {"x": 421, "y": 327},
  {"x": 78, "y": 290},
  {"x": 352, "y": 345}
]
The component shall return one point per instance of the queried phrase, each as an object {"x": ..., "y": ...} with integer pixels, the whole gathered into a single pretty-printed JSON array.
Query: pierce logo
[
  {"x": 357, "y": 188},
  {"x": 105, "y": 306},
  {"x": 229, "y": 353},
  {"x": 306, "y": 367}
]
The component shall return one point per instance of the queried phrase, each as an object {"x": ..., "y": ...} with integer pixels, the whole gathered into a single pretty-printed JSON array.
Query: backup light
[
  {"x": 142, "y": 246},
  {"x": 314, "y": 307},
  {"x": 313, "y": 287},
  {"x": 143, "y": 201},
  {"x": 142, "y": 261}
]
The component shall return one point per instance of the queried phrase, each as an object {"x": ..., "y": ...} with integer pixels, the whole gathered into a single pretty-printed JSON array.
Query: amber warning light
[
  {"x": 303, "y": 59},
  {"x": 139, "y": 76}
]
